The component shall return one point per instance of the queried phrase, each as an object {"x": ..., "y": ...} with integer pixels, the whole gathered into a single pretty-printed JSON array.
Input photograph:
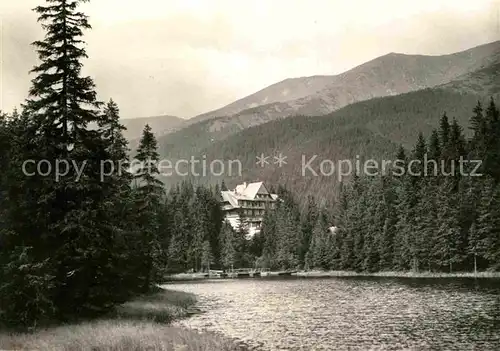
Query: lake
[{"x": 351, "y": 313}]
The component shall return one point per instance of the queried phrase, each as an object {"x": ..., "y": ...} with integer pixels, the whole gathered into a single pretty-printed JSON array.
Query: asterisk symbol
[
  {"x": 280, "y": 160},
  {"x": 262, "y": 160}
]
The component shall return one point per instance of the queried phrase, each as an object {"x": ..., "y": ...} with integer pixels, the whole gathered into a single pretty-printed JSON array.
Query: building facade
[{"x": 247, "y": 203}]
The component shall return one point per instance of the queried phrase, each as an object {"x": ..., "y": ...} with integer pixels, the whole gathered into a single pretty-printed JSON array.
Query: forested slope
[{"x": 370, "y": 129}]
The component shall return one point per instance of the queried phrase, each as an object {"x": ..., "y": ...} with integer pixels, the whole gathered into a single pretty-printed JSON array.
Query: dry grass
[
  {"x": 163, "y": 306},
  {"x": 399, "y": 274},
  {"x": 116, "y": 335},
  {"x": 132, "y": 327}
]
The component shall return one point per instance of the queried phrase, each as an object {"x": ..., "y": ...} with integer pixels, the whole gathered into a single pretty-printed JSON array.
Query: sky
[{"x": 187, "y": 57}]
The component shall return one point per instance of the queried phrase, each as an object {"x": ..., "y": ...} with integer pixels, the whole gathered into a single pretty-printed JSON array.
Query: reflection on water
[{"x": 351, "y": 313}]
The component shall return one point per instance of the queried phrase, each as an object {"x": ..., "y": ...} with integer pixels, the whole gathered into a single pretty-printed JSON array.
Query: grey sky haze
[{"x": 187, "y": 57}]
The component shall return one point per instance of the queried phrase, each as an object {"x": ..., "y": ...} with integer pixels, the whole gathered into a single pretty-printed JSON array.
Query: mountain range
[
  {"x": 390, "y": 74},
  {"x": 368, "y": 110}
]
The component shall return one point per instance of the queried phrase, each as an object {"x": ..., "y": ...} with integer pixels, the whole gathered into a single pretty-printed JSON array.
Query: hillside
[
  {"x": 485, "y": 81},
  {"x": 370, "y": 129},
  {"x": 387, "y": 75},
  {"x": 192, "y": 139},
  {"x": 390, "y": 74},
  {"x": 373, "y": 127}
]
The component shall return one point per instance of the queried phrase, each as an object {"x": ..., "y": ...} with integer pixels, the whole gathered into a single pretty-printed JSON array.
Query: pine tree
[
  {"x": 444, "y": 130},
  {"x": 405, "y": 201},
  {"x": 457, "y": 145},
  {"x": 240, "y": 242},
  {"x": 478, "y": 144},
  {"x": 358, "y": 222},
  {"x": 485, "y": 237},
  {"x": 206, "y": 256},
  {"x": 269, "y": 233},
  {"x": 447, "y": 250},
  {"x": 426, "y": 225},
  {"x": 215, "y": 224},
  {"x": 419, "y": 152},
  {"x": 200, "y": 226},
  {"x": 433, "y": 167},
  {"x": 149, "y": 197},
  {"x": 479, "y": 129},
  {"x": 25, "y": 282},
  {"x": 228, "y": 253},
  {"x": 340, "y": 211},
  {"x": 287, "y": 233},
  {"x": 308, "y": 222},
  {"x": 178, "y": 248},
  {"x": 65, "y": 220},
  {"x": 477, "y": 120},
  {"x": 116, "y": 178},
  {"x": 386, "y": 243},
  {"x": 417, "y": 170},
  {"x": 345, "y": 228},
  {"x": 434, "y": 146},
  {"x": 376, "y": 219},
  {"x": 492, "y": 141},
  {"x": 318, "y": 254}
]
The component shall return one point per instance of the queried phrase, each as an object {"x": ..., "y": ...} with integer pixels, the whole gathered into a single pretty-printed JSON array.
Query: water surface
[{"x": 351, "y": 313}]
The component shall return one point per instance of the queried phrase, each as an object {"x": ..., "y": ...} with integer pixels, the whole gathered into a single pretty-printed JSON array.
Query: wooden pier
[{"x": 240, "y": 273}]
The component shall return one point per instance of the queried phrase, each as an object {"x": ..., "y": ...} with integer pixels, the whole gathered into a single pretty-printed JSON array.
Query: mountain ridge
[
  {"x": 190, "y": 139},
  {"x": 292, "y": 88},
  {"x": 371, "y": 128}
]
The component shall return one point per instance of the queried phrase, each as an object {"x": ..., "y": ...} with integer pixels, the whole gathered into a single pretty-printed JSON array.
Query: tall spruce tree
[
  {"x": 341, "y": 224},
  {"x": 206, "y": 256},
  {"x": 492, "y": 140},
  {"x": 444, "y": 130},
  {"x": 479, "y": 128},
  {"x": 201, "y": 225},
  {"x": 64, "y": 233},
  {"x": 485, "y": 242},
  {"x": 375, "y": 225},
  {"x": 386, "y": 243},
  {"x": 26, "y": 277},
  {"x": 433, "y": 168},
  {"x": 318, "y": 255},
  {"x": 149, "y": 197},
  {"x": 308, "y": 222},
  {"x": 116, "y": 179},
  {"x": 269, "y": 232},
  {"x": 228, "y": 252}
]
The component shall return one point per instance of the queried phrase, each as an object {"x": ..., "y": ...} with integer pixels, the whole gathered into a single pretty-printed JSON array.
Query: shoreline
[
  {"x": 143, "y": 323},
  {"x": 334, "y": 274},
  {"x": 396, "y": 274}
]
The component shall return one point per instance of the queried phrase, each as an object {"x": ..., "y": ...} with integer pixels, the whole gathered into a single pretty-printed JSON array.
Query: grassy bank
[
  {"x": 136, "y": 325},
  {"x": 325, "y": 274}
]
